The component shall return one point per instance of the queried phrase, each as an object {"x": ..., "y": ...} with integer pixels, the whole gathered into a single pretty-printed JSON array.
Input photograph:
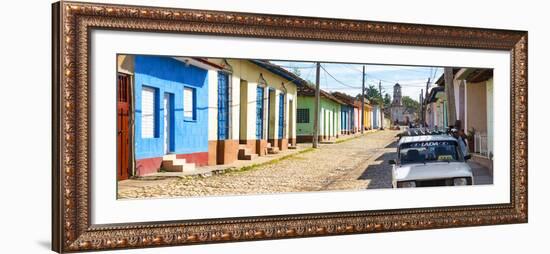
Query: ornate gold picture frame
[{"x": 72, "y": 229}]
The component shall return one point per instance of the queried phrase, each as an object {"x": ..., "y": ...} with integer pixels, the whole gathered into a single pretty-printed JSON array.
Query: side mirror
[
  {"x": 467, "y": 157},
  {"x": 391, "y": 162}
]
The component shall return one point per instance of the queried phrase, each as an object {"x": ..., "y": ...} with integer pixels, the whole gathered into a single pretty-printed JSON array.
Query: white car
[{"x": 430, "y": 160}]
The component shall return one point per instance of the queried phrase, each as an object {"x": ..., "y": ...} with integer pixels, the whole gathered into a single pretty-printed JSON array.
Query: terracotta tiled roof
[
  {"x": 303, "y": 86},
  {"x": 347, "y": 99}
]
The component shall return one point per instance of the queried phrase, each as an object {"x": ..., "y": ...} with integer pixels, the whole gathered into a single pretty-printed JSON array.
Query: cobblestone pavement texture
[{"x": 359, "y": 163}]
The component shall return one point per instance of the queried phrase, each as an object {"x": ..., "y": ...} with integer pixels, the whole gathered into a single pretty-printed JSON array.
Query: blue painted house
[
  {"x": 346, "y": 112},
  {"x": 171, "y": 114}
]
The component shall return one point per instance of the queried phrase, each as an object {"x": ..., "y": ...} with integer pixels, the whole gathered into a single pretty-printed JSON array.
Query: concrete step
[
  {"x": 250, "y": 156},
  {"x": 171, "y": 163},
  {"x": 272, "y": 150},
  {"x": 176, "y": 162},
  {"x": 189, "y": 167},
  {"x": 172, "y": 168},
  {"x": 246, "y": 154},
  {"x": 244, "y": 151},
  {"x": 169, "y": 157}
]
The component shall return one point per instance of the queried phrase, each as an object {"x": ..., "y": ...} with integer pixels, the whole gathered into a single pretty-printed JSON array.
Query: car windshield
[{"x": 428, "y": 151}]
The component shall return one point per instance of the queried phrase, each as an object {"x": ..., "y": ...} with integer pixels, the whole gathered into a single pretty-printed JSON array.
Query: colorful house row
[
  {"x": 261, "y": 108},
  {"x": 351, "y": 114},
  {"x": 348, "y": 113},
  {"x": 182, "y": 112},
  {"x": 339, "y": 114}
]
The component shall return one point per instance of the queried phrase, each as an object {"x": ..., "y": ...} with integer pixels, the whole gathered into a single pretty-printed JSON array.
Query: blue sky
[{"x": 347, "y": 77}]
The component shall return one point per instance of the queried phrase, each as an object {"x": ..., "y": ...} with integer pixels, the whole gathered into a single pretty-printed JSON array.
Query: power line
[
  {"x": 342, "y": 88},
  {"x": 418, "y": 84},
  {"x": 297, "y": 67},
  {"x": 385, "y": 80},
  {"x": 309, "y": 74},
  {"x": 392, "y": 82},
  {"x": 325, "y": 77},
  {"x": 337, "y": 80}
]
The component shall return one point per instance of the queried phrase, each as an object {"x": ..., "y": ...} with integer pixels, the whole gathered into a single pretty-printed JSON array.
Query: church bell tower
[{"x": 397, "y": 95}]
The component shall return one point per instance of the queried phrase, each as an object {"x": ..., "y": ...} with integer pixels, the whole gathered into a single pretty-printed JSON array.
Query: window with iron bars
[{"x": 302, "y": 115}]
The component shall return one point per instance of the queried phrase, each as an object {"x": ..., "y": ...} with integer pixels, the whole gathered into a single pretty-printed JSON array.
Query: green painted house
[{"x": 329, "y": 115}]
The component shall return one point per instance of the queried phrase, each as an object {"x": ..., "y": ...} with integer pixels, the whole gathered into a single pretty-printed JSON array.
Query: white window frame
[
  {"x": 148, "y": 114},
  {"x": 192, "y": 111}
]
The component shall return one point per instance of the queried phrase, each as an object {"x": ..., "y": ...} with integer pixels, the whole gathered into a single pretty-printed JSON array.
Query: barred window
[{"x": 302, "y": 115}]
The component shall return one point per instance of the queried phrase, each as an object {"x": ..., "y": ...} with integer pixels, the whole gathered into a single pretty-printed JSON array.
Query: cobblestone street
[
  {"x": 357, "y": 163},
  {"x": 350, "y": 165}
]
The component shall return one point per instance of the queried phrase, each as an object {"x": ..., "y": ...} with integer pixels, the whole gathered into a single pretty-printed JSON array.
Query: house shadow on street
[
  {"x": 392, "y": 144},
  {"x": 379, "y": 174}
]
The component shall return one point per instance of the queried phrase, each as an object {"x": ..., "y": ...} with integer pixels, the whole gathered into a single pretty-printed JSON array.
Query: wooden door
[
  {"x": 223, "y": 105},
  {"x": 259, "y": 112},
  {"x": 281, "y": 115},
  {"x": 123, "y": 122}
]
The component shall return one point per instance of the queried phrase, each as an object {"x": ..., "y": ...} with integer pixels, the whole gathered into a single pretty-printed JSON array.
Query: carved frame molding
[{"x": 71, "y": 226}]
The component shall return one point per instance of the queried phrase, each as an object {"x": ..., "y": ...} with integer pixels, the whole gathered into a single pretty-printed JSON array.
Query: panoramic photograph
[{"x": 198, "y": 126}]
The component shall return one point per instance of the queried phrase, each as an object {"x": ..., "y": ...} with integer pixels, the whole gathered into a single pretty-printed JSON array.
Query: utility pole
[
  {"x": 363, "y": 104},
  {"x": 450, "y": 92},
  {"x": 317, "y": 106},
  {"x": 421, "y": 100},
  {"x": 381, "y": 106},
  {"x": 425, "y": 103}
]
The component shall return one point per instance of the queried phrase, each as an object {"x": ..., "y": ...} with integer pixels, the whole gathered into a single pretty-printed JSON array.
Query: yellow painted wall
[
  {"x": 476, "y": 106},
  {"x": 247, "y": 71},
  {"x": 368, "y": 117}
]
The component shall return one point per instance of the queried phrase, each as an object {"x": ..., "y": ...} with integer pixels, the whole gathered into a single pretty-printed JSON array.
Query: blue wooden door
[
  {"x": 259, "y": 112},
  {"x": 223, "y": 106},
  {"x": 343, "y": 120},
  {"x": 281, "y": 114}
]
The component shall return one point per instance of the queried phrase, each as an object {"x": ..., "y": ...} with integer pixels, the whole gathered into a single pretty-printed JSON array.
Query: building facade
[
  {"x": 254, "y": 108},
  {"x": 368, "y": 117},
  {"x": 377, "y": 117},
  {"x": 347, "y": 113},
  {"x": 329, "y": 115},
  {"x": 473, "y": 92},
  {"x": 436, "y": 108},
  {"x": 181, "y": 112},
  {"x": 170, "y": 112},
  {"x": 473, "y": 104},
  {"x": 356, "y": 116}
]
